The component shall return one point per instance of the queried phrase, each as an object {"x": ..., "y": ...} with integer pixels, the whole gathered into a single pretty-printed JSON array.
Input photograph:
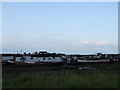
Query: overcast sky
[{"x": 80, "y": 27}]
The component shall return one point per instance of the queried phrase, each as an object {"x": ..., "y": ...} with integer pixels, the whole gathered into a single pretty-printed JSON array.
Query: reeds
[{"x": 60, "y": 77}]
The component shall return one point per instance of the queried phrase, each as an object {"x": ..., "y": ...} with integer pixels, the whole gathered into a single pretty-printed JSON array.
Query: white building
[
  {"x": 7, "y": 57},
  {"x": 19, "y": 58},
  {"x": 43, "y": 58}
]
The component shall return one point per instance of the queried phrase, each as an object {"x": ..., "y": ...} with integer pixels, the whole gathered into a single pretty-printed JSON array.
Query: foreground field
[{"x": 102, "y": 76}]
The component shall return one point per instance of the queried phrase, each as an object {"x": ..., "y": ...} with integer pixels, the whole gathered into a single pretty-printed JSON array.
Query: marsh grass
[{"x": 60, "y": 77}]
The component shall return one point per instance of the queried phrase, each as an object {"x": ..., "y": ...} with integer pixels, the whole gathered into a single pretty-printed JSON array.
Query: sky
[{"x": 62, "y": 27}]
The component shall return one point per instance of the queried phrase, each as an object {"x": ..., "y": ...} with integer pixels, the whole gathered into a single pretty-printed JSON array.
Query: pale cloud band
[
  {"x": 102, "y": 42},
  {"x": 57, "y": 45}
]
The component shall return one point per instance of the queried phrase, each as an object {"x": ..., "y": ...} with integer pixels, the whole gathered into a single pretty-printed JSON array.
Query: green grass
[{"x": 61, "y": 77}]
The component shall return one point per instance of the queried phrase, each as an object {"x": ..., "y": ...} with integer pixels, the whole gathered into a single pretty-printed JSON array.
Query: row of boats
[{"x": 63, "y": 61}]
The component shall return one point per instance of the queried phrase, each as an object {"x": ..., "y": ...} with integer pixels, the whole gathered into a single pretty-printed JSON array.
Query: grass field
[{"x": 103, "y": 76}]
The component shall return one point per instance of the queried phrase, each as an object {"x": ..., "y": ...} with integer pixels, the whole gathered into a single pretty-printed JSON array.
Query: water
[{"x": 81, "y": 68}]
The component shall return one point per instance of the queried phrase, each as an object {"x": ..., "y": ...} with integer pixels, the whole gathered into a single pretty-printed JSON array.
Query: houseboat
[{"x": 34, "y": 58}]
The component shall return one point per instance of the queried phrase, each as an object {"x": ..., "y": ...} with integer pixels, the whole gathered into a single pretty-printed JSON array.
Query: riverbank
[{"x": 102, "y": 76}]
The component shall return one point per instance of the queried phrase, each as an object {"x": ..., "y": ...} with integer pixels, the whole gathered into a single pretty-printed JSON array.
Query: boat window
[{"x": 44, "y": 58}]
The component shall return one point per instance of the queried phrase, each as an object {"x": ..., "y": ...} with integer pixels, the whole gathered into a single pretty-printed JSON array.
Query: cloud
[
  {"x": 102, "y": 42},
  {"x": 15, "y": 43},
  {"x": 97, "y": 43},
  {"x": 86, "y": 42},
  {"x": 103, "y": 46}
]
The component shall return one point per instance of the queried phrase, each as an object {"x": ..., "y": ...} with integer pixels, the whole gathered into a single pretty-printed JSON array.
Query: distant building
[
  {"x": 41, "y": 57},
  {"x": 45, "y": 57}
]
